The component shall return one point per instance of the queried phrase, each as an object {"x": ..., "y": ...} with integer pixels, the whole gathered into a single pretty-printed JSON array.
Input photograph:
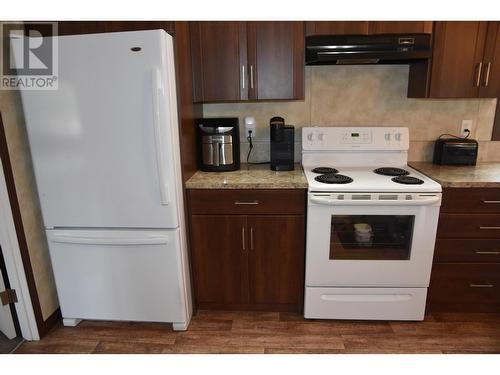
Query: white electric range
[{"x": 371, "y": 225}]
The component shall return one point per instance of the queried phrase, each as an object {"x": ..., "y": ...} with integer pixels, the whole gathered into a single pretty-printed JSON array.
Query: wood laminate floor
[{"x": 256, "y": 332}]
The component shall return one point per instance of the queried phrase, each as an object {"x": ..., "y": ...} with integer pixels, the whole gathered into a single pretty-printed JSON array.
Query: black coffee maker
[{"x": 282, "y": 145}]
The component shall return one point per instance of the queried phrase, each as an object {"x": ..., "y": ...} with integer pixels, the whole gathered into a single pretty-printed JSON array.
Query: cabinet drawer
[
  {"x": 465, "y": 287},
  {"x": 247, "y": 201},
  {"x": 467, "y": 250},
  {"x": 469, "y": 226},
  {"x": 485, "y": 200}
]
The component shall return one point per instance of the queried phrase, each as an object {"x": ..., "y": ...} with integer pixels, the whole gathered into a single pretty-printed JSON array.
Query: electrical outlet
[
  {"x": 466, "y": 124},
  {"x": 250, "y": 126}
]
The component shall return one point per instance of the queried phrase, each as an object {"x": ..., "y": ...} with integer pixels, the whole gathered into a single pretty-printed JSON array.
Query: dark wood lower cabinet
[
  {"x": 220, "y": 262},
  {"x": 465, "y": 287},
  {"x": 248, "y": 262},
  {"x": 276, "y": 260},
  {"x": 466, "y": 271}
]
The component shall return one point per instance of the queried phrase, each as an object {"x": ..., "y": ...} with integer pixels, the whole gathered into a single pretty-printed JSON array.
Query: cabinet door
[
  {"x": 490, "y": 80},
  {"x": 218, "y": 246},
  {"x": 276, "y": 60},
  {"x": 457, "y": 57},
  {"x": 400, "y": 27},
  {"x": 219, "y": 61},
  {"x": 276, "y": 260},
  {"x": 336, "y": 28}
]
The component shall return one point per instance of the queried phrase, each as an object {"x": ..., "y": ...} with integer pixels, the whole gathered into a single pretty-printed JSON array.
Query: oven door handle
[{"x": 375, "y": 202}]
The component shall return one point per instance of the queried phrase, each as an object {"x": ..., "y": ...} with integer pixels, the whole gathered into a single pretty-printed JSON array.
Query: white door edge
[
  {"x": 14, "y": 265},
  {"x": 7, "y": 326}
]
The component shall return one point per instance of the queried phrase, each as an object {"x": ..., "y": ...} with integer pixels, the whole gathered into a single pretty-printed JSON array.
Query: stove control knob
[
  {"x": 321, "y": 137},
  {"x": 310, "y": 137},
  {"x": 397, "y": 137},
  {"x": 387, "y": 137}
]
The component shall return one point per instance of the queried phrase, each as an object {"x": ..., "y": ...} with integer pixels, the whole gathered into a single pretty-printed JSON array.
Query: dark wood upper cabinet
[
  {"x": 336, "y": 28},
  {"x": 465, "y": 62},
  {"x": 457, "y": 59},
  {"x": 276, "y": 60},
  {"x": 367, "y": 27},
  {"x": 400, "y": 27},
  {"x": 490, "y": 79},
  {"x": 234, "y": 61},
  {"x": 219, "y": 56}
]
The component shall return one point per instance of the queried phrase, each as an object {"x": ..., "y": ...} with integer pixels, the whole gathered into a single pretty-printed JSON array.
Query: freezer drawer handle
[
  {"x": 160, "y": 148},
  {"x": 489, "y": 228},
  {"x": 157, "y": 240},
  {"x": 491, "y": 202}
]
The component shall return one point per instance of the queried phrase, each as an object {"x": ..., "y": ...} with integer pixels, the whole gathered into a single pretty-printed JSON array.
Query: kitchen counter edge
[
  {"x": 249, "y": 177},
  {"x": 481, "y": 175}
]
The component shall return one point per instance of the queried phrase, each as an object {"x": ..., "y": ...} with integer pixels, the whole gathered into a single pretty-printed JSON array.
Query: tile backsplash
[{"x": 373, "y": 95}]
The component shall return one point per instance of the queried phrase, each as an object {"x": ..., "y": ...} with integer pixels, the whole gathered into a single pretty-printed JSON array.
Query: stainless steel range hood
[{"x": 367, "y": 49}]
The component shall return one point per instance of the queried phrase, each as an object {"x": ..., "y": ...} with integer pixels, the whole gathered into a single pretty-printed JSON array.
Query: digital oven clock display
[{"x": 355, "y": 135}]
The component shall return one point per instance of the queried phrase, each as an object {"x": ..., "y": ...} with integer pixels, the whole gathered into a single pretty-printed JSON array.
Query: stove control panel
[{"x": 355, "y": 138}]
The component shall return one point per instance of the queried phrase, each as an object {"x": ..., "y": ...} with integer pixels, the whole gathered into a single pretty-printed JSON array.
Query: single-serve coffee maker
[
  {"x": 282, "y": 144},
  {"x": 218, "y": 144}
]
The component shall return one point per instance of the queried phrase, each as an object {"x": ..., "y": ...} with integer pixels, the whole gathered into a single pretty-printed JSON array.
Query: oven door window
[{"x": 371, "y": 237}]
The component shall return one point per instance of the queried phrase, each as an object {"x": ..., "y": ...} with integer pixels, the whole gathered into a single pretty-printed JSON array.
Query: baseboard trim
[{"x": 50, "y": 322}]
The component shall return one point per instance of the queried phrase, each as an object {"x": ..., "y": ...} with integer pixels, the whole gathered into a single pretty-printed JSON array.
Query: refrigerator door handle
[
  {"x": 153, "y": 240},
  {"x": 160, "y": 147}
]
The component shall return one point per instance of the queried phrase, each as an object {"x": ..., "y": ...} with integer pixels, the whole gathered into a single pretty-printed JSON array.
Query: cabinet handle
[
  {"x": 478, "y": 79},
  {"x": 483, "y": 252},
  {"x": 489, "y": 228},
  {"x": 251, "y": 76},
  {"x": 243, "y": 237},
  {"x": 254, "y": 202},
  {"x": 251, "y": 238},
  {"x": 481, "y": 285},
  {"x": 243, "y": 76},
  {"x": 491, "y": 202},
  {"x": 487, "y": 78}
]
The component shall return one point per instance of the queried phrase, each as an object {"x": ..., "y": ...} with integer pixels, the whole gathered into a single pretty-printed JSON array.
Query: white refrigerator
[{"x": 105, "y": 150}]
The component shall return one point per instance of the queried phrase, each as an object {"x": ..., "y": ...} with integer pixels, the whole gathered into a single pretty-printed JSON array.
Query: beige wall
[
  {"x": 13, "y": 120},
  {"x": 370, "y": 95}
]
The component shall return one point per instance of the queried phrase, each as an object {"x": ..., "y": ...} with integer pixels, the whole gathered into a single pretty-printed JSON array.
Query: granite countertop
[
  {"x": 257, "y": 176},
  {"x": 480, "y": 175}
]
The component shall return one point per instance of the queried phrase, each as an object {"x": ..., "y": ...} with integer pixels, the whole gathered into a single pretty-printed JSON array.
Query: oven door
[{"x": 371, "y": 242}]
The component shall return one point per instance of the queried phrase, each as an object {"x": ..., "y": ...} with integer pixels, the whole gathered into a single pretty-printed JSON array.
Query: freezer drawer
[
  {"x": 365, "y": 303},
  {"x": 118, "y": 275}
]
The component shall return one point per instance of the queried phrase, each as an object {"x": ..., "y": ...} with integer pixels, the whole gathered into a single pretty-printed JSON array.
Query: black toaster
[{"x": 455, "y": 151}]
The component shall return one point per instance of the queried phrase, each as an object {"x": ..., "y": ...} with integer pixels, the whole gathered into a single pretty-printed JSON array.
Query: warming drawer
[{"x": 365, "y": 303}]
